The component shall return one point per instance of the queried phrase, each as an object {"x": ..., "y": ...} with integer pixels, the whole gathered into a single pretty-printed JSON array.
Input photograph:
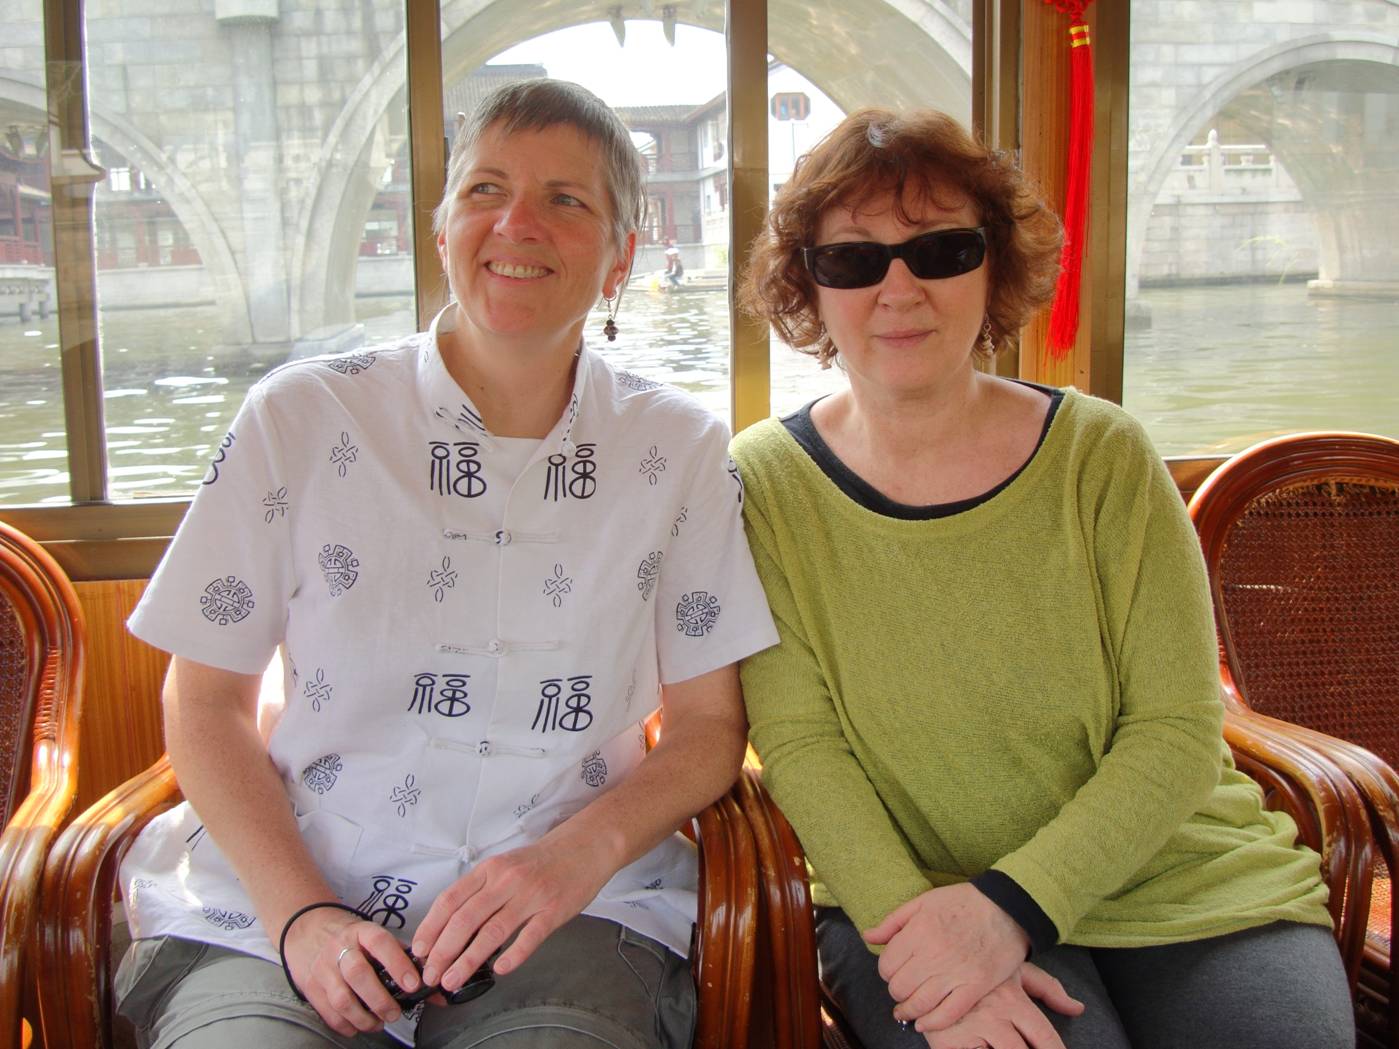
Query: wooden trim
[
  {"x": 73, "y": 173},
  {"x": 143, "y": 519},
  {"x": 996, "y": 98},
  {"x": 121, "y": 731},
  {"x": 1189, "y": 472},
  {"x": 102, "y": 541},
  {"x": 428, "y": 146},
  {"x": 1106, "y": 313},
  {"x": 127, "y": 541},
  {"x": 750, "y": 364},
  {"x": 996, "y": 72},
  {"x": 1095, "y": 362},
  {"x": 90, "y": 560}
]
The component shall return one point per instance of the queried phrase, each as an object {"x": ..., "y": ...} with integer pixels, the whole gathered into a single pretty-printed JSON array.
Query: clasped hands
[
  {"x": 955, "y": 965},
  {"x": 526, "y": 893}
]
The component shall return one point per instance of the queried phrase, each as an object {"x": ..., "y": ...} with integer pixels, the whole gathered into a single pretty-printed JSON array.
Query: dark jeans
[{"x": 1281, "y": 986}]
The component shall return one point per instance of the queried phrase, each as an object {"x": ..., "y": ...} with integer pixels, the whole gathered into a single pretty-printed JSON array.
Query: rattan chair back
[
  {"x": 42, "y": 643},
  {"x": 1301, "y": 536}
]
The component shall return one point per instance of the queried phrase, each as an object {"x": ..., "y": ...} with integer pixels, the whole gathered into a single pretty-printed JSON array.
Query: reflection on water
[
  {"x": 1220, "y": 368},
  {"x": 1223, "y": 367}
]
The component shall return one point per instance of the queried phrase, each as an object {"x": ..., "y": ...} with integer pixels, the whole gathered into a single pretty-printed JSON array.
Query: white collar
[{"x": 447, "y": 401}]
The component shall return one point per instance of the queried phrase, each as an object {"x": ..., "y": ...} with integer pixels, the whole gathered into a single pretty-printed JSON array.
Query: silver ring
[{"x": 341, "y": 956}]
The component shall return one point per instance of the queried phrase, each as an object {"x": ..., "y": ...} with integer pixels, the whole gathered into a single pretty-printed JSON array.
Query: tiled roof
[
  {"x": 468, "y": 92},
  {"x": 635, "y": 115}
]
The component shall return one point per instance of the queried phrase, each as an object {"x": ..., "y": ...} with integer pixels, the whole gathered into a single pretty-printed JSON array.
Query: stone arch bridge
[{"x": 267, "y": 125}]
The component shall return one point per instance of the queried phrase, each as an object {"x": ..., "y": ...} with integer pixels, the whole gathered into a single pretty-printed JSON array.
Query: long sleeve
[
  {"x": 808, "y": 766},
  {"x": 1028, "y": 686},
  {"x": 1164, "y": 755}
]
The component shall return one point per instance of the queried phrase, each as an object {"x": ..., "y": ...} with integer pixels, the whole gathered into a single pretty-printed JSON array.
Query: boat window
[
  {"x": 255, "y": 211},
  {"x": 665, "y": 76},
  {"x": 33, "y": 449},
  {"x": 1262, "y": 236},
  {"x": 819, "y": 71}
]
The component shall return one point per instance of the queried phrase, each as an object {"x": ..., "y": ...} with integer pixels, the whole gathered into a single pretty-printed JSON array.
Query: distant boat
[{"x": 694, "y": 280}]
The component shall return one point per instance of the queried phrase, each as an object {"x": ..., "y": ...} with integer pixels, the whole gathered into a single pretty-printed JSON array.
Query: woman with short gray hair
[{"x": 486, "y": 555}]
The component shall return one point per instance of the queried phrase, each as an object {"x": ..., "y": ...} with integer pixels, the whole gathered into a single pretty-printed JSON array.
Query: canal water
[{"x": 1220, "y": 368}]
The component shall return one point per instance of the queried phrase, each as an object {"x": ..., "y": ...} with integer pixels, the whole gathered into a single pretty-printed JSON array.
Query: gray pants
[
  {"x": 592, "y": 984},
  {"x": 1280, "y": 985}
]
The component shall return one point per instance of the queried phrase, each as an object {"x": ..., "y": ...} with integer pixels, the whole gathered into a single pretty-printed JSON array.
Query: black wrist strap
[{"x": 282, "y": 943}]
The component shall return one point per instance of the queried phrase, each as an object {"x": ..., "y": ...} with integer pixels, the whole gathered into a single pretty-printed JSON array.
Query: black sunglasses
[{"x": 929, "y": 256}]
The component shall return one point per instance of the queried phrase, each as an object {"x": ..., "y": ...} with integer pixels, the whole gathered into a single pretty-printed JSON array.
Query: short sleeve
[
  {"x": 710, "y": 610},
  {"x": 220, "y": 595}
]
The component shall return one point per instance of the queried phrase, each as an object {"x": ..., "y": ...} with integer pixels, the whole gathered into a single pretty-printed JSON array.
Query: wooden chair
[
  {"x": 1301, "y": 538},
  {"x": 80, "y": 884},
  {"x": 42, "y": 641},
  {"x": 1330, "y": 815}
]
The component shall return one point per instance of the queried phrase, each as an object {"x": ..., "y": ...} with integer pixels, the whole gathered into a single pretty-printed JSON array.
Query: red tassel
[{"x": 1063, "y": 316}]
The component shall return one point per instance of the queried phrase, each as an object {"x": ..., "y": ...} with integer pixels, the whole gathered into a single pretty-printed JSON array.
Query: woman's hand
[
  {"x": 328, "y": 952},
  {"x": 534, "y": 889},
  {"x": 944, "y": 951},
  {"x": 1007, "y": 1018}
]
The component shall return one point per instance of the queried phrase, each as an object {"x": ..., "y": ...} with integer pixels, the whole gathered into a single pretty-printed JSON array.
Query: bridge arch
[
  {"x": 1336, "y": 229},
  {"x": 189, "y": 207},
  {"x": 926, "y": 46}
]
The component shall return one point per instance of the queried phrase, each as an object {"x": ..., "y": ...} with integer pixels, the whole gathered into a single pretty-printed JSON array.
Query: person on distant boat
[
  {"x": 674, "y": 266},
  {"x": 486, "y": 556},
  {"x": 994, "y": 715}
]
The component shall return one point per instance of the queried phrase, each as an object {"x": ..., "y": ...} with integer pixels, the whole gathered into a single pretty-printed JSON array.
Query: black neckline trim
[{"x": 804, "y": 432}]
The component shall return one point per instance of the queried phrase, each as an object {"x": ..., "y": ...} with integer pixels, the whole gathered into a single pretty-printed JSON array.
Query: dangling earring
[
  {"x": 988, "y": 341},
  {"x": 610, "y": 328}
]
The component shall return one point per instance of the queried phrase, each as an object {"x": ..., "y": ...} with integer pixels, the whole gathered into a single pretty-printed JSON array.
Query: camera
[{"x": 477, "y": 984}]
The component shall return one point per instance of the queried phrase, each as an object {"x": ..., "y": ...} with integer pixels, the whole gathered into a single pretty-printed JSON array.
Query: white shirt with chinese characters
[{"x": 470, "y": 646}]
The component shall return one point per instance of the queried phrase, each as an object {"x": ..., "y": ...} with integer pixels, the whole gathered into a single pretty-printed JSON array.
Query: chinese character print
[
  {"x": 561, "y": 711},
  {"x": 339, "y": 566},
  {"x": 321, "y": 774},
  {"x": 653, "y": 464},
  {"x": 219, "y": 456},
  {"x": 696, "y": 613},
  {"x": 351, "y": 364},
  {"x": 405, "y": 795},
  {"x": 387, "y": 900},
  {"x": 343, "y": 454},
  {"x": 440, "y": 580},
  {"x": 455, "y": 469},
  {"x": 575, "y": 479},
  {"x": 227, "y": 920},
  {"x": 227, "y": 600},
  {"x": 445, "y": 695},
  {"x": 557, "y": 586},
  {"x": 648, "y": 572}
]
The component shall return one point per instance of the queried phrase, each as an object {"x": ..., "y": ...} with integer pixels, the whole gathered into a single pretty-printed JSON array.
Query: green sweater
[{"x": 1030, "y": 685}]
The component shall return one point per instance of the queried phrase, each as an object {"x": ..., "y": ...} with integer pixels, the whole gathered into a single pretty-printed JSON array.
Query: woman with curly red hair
[{"x": 993, "y": 718}]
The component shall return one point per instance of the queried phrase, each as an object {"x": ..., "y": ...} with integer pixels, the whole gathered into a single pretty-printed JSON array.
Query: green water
[
  {"x": 1220, "y": 368},
  {"x": 1223, "y": 367}
]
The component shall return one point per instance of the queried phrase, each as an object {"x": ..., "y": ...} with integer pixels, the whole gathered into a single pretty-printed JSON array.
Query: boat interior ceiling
[{"x": 194, "y": 195}]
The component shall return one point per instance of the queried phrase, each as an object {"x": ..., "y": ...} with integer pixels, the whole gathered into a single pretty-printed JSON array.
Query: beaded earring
[{"x": 610, "y": 328}]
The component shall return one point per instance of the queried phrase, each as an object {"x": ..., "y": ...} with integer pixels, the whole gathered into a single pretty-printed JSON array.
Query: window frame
[{"x": 1014, "y": 42}]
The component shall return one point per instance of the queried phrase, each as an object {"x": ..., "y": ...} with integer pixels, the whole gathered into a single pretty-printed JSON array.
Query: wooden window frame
[{"x": 1016, "y": 42}]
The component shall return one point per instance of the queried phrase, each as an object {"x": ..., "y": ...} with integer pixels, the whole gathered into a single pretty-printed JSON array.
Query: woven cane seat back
[
  {"x": 1308, "y": 596},
  {"x": 1377, "y": 926},
  {"x": 14, "y": 708},
  {"x": 42, "y": 639}
]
